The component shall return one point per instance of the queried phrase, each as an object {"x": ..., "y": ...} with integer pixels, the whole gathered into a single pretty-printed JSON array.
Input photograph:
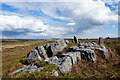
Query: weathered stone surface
[
  {"x": 65, "y": 64},
  {"x": 103, "y": 52},
  {"x": 55, "y": 47},
  {"x": 42, "y": 51},
  {"x": 30, "y": 68},
  {"x": 73, "y": 57},
  {"x": 55, "y": 73},
  {"x": 89, "y": 44},
  {"x": 73, "y": 48},
  {"x": 75, "y": 39},
  {"x": 87, "y": 54},
  {"x": 34, "y": 56},
  {"x": 52, "y": 60},
  {"x": 66, "y": 41}
]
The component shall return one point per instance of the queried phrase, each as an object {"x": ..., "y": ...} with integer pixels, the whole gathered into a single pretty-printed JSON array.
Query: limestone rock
[
  {"x": 34, "y": 56},
  {"x": 42, "y": 51},
  {"x": 65, "y": 64},
  {"x": 103, "y": 52},
  {"x": 55, "y": 47},
  {"x": 87, "y": 54},
  {"x": 52, "y": 60},
  {"x": 66, "y": 41},
  {"x": 55, "y": 73},
  {"x": 30, "y": 68},
  {"x": 88, "y": 45}
]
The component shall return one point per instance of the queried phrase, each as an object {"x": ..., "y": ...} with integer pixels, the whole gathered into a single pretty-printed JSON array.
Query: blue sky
[{"x": 45, "y": 20}]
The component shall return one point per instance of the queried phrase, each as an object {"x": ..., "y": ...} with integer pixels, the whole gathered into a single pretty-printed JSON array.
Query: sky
[{"x": 58, "y": 19}]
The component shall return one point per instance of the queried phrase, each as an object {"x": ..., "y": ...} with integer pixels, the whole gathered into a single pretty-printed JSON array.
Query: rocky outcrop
[
  {"x": 87, "y": 54},
  {"x": 50, "y": 49},
  {"x": 66, "y": 60}
]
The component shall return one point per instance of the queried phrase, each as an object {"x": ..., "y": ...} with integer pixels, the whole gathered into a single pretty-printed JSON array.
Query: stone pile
[{"x": 67, "y": 59}]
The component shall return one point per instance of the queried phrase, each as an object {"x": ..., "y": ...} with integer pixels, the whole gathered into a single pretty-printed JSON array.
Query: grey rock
[
  {"x": 89, "y": 44},
  {"x": 103, "y": 52},
  {"x": 75, "y": 39},
  {"x": 52, "y": 60},
  {"x": 74, "y": 56},
  {"x": 78, "y": 55},
  {"x": 66, "y": 41},
  {"x": 73, "y": 48},
  {"x": 34, "y": 56},
  {"x": 42, "y": 51},
  {"x": 55, "y": 47},
  {"x": 55, "y": 73},
  {"x": 87, "y": 54},
  {"x": 65, "y": 64},
  {"x": 100, "y": 40},
  {"x": 81, "y": 47},
  {"x": 30, "y": 68}
]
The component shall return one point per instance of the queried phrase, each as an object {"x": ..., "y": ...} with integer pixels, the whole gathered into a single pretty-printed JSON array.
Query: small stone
[{"x": 55, "y": 73}]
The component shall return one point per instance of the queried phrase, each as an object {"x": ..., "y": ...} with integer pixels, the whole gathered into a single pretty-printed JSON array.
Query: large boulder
[
  {"x": 87, "y": 54},
  {"x": 52, "y": 60},
  {"x": 34, "y": 56},
  {"x": 65, "y": 64},
  {"x": 55, "y": 47}
]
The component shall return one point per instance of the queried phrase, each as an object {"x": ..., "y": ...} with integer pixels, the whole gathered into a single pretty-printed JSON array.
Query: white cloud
[
  {"x": 83, "y": 15},
  {"x": 71, "y": 24},
  {"x": 16, "y": 22},
  {"x": 113, "y": 26}
]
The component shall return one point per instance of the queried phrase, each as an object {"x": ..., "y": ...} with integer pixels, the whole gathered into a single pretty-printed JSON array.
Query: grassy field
[{"x": 14, "y": 56}]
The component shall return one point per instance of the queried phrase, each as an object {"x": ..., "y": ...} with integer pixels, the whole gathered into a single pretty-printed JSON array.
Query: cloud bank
[{"x": 55, "y": 20}]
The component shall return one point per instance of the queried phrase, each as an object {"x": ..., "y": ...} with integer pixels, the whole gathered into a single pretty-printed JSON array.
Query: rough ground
[{"x": 14, "y": 55}]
